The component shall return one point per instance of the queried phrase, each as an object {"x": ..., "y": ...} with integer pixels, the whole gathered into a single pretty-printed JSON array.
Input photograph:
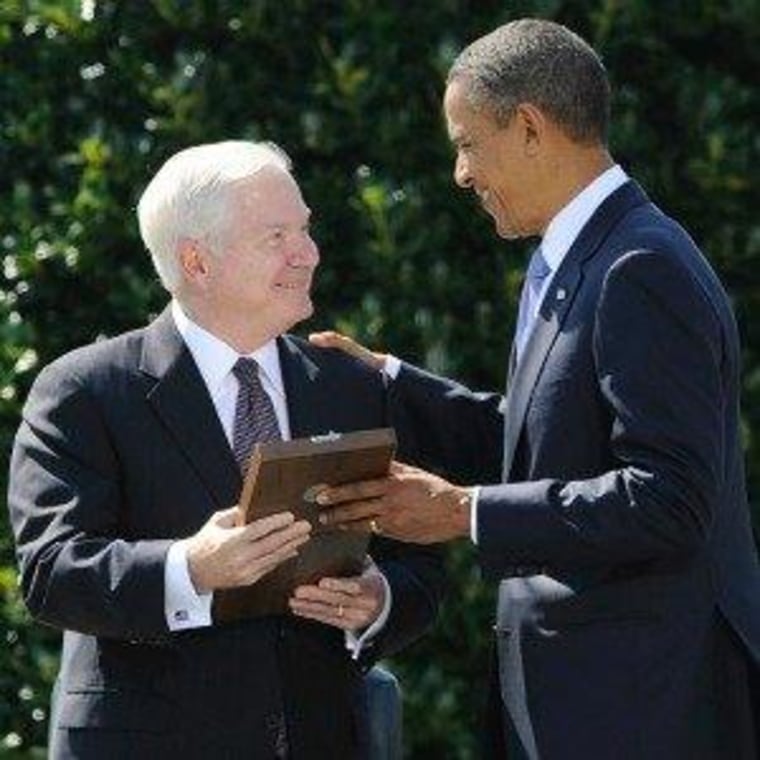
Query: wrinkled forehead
[{"x": 271, "y": 192}]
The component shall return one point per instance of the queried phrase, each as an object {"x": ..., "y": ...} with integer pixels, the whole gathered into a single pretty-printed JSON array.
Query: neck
[
  {"x": 571, "y": 171},
  {"x": 244, "y": 336}
]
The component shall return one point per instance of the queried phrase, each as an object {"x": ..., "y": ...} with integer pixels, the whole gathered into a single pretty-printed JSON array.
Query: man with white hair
[{"x": 125, "y": 474}]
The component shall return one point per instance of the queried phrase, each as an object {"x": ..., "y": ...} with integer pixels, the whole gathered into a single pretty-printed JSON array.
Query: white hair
[{"x": 189, "y": 198}]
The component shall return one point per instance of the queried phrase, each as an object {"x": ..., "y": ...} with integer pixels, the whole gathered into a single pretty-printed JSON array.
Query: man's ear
[
  {"x": 193, "y": 261},
  {"x": 533, "y": 125}
]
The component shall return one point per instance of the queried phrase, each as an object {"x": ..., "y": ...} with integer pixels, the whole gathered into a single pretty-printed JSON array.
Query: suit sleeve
[
  {"x": 418, "y": 583},
  {"x": 658, "y": 350},
  {"x": 416, "y": 574},
  {"x": 444, "y": 427},
  {"x": 67, "y": 513}
]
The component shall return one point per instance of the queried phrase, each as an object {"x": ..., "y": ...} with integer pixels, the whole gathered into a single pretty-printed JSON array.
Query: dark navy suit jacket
[
  {"x": 120, "y": 451},
  {"x": 620, "y": 534}
]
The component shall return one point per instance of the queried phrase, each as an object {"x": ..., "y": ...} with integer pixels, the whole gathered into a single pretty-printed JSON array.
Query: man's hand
[
  {"x": 351, "y": 604},
  {"x": 332, "y": 339},
  {"x": 224, "y": 553},
  {"x": 409, "y": 505}
]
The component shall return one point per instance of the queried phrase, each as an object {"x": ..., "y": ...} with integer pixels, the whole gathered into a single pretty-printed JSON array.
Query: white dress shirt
[
  {"x": 562, "y": 232},
  {"x": 564, "y": 228},
  {"x": 184, "y": 607}
]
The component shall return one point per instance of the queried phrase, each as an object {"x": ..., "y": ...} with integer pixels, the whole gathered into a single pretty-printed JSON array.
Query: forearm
[
  {"x": 444, "y": 427},
  {"x": 417, "y": 578},
  {"x": 100, "y": 587},
  {"x": 67, "y": 514},
  {"x": 621, "y": 517}
]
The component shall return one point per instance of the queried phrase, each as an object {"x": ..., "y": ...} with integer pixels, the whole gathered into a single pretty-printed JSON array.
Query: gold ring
[
  {"x": 373, "y": 526},
  {"x": 340, "y": 610}
]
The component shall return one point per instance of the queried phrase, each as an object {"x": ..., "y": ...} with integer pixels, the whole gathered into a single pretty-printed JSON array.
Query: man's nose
[
  {"x": 462, "y": 175},
  {"x": 305, "y": 252}
]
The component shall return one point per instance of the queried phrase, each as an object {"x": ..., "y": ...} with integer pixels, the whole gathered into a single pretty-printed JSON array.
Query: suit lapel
[
  {"x": 527, "y": 370},
  {"x": 181, "y": 401},
  {"x": 303, "y": 390},
  {"x": 554, "y": 309}
]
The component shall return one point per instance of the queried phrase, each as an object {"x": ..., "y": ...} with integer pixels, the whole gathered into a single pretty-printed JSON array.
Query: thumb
[
  {"x": 399, "y": 468},
  {"x": 228, "y": 518},
  {"x": 333, "y": 339},
  {"x": 325, "y": 339}
]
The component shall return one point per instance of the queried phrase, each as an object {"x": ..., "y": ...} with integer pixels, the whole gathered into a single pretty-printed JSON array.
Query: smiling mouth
[
  {"x": 484, "y": 196},
  {"x": 293, "y": 285}
]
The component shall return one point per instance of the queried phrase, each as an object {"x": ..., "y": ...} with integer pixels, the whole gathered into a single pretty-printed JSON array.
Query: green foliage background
[{"x": 95, "y": 95}]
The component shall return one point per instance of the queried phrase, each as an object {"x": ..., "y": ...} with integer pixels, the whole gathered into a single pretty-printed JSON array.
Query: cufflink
[
  {"x": 181, "y": 616},
  {"x": 561, "y": 294}
]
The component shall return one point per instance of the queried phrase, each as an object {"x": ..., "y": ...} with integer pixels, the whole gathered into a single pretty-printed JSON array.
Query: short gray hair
[
  {"x": 543, "y": 63},
  {"x": 189, "y": 198}
]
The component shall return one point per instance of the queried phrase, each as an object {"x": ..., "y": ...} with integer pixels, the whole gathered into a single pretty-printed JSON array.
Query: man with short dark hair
[
  {"x": 617, "y": 528},
  {"x": 126, "y": 469}
]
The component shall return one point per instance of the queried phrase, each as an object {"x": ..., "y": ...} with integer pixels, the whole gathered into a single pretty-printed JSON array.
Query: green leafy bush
[{"x": 97, "y": 93}]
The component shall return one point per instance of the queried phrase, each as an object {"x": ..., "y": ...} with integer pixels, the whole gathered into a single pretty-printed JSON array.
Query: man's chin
[
  {"x": 506, "y": 231},
  {"x": 289, "y": 318},
  {"x": 304, "y": 310},
  {"x": 503, "y": 229}
]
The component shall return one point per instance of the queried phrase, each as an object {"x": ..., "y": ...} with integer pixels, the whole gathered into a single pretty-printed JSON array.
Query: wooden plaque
[{"x": 286, "y": 476}]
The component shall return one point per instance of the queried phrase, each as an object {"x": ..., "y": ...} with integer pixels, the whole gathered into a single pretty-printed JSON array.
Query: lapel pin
[
  {"x": 561, "y": 294},
  {"x": 326, "y": 437}
]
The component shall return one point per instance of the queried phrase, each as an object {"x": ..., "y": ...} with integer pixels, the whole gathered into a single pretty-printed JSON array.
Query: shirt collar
[
  {"x": 215, "y": 358},
  {"x": 565, "y": 227}
]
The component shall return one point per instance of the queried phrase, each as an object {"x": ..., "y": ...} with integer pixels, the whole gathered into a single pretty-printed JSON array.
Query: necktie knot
[
  {"x": 538, "y": 269},
  {"x": 247, "y": 371}
]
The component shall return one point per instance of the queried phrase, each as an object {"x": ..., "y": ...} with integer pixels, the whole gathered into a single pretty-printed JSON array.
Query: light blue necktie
[{"x": 538, "y": 271}]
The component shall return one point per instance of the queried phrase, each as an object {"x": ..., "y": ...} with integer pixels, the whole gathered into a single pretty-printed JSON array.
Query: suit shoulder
[
  {"x": 335, "y": 361},
  {"x": 665, "y": 284},
  {"x": 650, "y": 230},
  {"x": 657, "y": 248},
  {"x": 93, "y": 363}
]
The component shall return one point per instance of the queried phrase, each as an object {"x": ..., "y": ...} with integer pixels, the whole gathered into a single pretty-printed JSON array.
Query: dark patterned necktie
[{"x": 255, "y": 418}]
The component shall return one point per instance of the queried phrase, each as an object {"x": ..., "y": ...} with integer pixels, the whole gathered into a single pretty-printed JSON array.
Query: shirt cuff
[
  {"x": 392, "y": 366},
  {"x": 474, "y": 514},
  {"x": 184, "y": 607},
  {"x": 355, "y": 643}
]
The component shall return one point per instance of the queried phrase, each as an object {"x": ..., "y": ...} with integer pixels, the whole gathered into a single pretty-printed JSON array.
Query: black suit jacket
[
  {"x": 620, "y": 534},
  {"x": 120, "y": 452}
]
